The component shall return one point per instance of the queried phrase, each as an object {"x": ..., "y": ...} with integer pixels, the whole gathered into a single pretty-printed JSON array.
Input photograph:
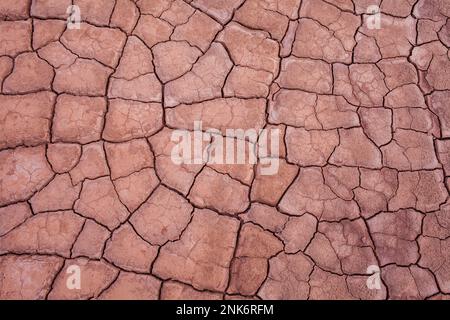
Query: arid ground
[{"x": 93, "y": 205}]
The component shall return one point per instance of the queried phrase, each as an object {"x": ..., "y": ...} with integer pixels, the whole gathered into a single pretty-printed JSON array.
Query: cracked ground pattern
[{"x": 86, "y": 176}]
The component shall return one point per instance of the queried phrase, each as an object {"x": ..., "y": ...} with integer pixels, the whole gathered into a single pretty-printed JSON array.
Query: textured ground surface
[{"x": 86, "y": 176}]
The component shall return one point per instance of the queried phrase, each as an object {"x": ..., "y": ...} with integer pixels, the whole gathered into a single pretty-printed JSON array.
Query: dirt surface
[{"x": 357, "y": 209}]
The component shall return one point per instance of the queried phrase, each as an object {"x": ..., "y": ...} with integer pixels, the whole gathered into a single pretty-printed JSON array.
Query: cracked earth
[{"x": 86, "y": 176}]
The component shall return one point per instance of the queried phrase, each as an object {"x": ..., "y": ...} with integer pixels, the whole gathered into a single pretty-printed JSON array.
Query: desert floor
[{"x": 93, "y": 205}]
